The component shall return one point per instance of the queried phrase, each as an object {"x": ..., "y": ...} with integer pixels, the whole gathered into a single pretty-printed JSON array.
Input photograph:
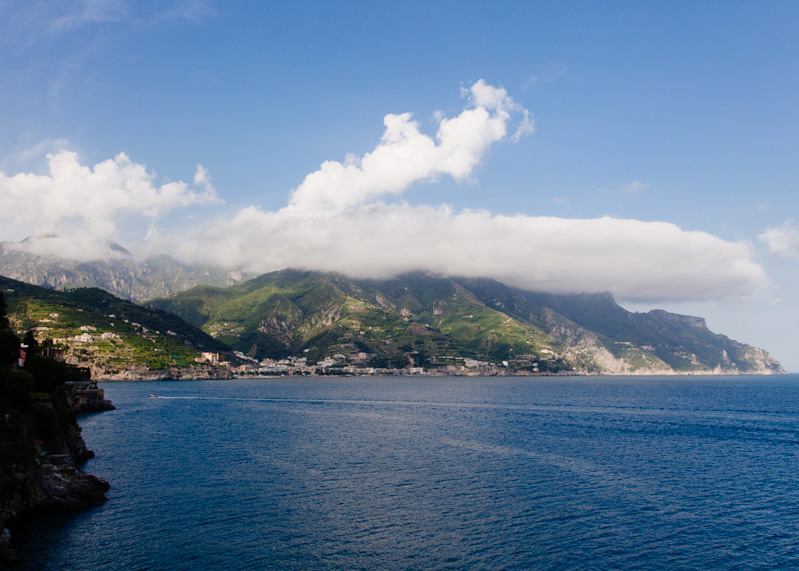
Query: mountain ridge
[
  {"x": 422, "y": 318},
  {"x": 404, "y": 322},
  {"x": 117, "y": 273}
]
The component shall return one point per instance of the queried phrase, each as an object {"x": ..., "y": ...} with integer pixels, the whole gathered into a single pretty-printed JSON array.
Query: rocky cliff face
[
  {"x": 119, "y": 273},
  {"x": 40, "y": 442},
  {"x": 172, "y": 374},
  {"x": 39, "y": 473},
  {"x": 87, "y": 397}
]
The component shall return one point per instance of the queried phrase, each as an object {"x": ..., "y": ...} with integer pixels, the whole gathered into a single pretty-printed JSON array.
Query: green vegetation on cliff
[
  {"x": 422, "y": 320},
  {"x": 96, "y": 329},
  {"x": 411, "y": 321},
  {"x": 40, "y": 440},
  {"x": 414, "y": 321}
]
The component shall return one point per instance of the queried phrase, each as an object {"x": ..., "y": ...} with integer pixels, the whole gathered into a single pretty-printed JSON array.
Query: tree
[
  {"x": 32, "y": 343},
  {"x": 9, "y": 346},
  {"x": 4, "y": 324}
]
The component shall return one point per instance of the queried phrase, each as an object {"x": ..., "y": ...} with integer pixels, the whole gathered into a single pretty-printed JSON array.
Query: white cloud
[
  {"x": 635, "y": 187},
  {"x": 31, "y": 155},
  {"x": 336, "y": 221},
  {"x": 638, "y": 261},
  {"x": 340, "y": 219},
  {"x": 80, "y": 14},
  {"x": 30, "y": 23},
  {"x": 27, "y": 24},
  {"x": 80, "y": 246},
  {"x": 194, "y": 11},
  {"x": 405, "y": 155},
  {"x": 96, "y": 198},
  {"x": 783, "y": 241}
]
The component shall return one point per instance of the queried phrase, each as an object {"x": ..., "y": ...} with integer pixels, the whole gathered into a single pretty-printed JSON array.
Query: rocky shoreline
[
  {"x": 172, "y": 374},
  {"x": 49, "y": 481},
  {"x": 41, "y": 447}
]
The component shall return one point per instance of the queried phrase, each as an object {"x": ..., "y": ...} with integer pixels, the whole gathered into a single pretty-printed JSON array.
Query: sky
[{"x": 643, "y": 148}]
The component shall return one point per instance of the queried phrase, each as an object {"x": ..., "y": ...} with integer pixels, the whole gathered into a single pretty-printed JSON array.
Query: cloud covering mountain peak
[{"x": 348, "y": 217}]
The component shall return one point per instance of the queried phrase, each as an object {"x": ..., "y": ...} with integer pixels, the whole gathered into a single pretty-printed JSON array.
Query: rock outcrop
[
  {"x": 172, "y": 374},
  {"x": 40, "y": 442},
  {"x": 87, "y": 397},
  {"x": 41, "y": 476}
]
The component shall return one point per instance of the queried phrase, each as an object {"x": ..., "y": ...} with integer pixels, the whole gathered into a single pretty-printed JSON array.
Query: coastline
[
  {"x": 256, "y": 466},
  {"x": 44, "y": 476},
  {"x": 157, "y": 378}
]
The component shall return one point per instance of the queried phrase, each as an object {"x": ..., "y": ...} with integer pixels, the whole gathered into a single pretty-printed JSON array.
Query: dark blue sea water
[{"x": 438, "y": 473}]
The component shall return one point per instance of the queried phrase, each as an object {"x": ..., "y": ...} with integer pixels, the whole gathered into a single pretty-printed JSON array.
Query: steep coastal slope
[
  {"x": 414, "y": 320},
  {"x": 422, "y": 320},
  {"x": 682, "y": 341},
  {"x": 40, "y": 441},
  {"x": 318, "y": 315},
  {"x": 114, "y": 338}
]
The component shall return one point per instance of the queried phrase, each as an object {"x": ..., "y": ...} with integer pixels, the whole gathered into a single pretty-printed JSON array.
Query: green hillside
[
  {"x": 98, "y": 330},
  {"x": 416, "y": 320},
  {"x": 425, "y": 321},
  {"x": 305, "y": 322}
]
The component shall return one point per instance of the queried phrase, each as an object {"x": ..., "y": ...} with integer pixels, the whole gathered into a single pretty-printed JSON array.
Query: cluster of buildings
[{"x": 356, "y": 364}]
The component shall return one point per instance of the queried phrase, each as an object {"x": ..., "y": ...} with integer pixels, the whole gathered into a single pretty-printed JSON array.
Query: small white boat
[{"x": 153, "y": 396}]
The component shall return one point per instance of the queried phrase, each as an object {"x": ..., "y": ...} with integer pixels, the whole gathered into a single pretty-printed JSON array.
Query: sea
[{"x": 561, "y": 473}]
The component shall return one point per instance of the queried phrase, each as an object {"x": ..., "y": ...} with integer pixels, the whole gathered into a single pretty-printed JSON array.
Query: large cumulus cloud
[
  {"x": 91, "y": 202},
  {"x": 349, "y": 217},
  {"x": 405, "y": 155}
]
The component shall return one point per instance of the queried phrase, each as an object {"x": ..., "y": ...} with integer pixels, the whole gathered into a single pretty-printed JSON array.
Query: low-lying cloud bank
[
  {"x": 347, "y": 217},
  {"x": 637, "y": 261}
]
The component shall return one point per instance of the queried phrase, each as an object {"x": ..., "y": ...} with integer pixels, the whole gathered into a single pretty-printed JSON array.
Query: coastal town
[{"x": 355, "y": 364}]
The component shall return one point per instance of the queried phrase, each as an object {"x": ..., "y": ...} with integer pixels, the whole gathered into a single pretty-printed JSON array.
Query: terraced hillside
[
  {"x": 425, "y": 321},
  {"x": 98, "y": 330}
]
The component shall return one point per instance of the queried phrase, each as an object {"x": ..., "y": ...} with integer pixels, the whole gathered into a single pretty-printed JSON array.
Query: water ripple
[{"x": 442, "y": 474}]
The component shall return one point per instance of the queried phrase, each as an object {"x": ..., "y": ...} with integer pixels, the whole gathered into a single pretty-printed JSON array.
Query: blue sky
[{"x": 662, "y": 165}]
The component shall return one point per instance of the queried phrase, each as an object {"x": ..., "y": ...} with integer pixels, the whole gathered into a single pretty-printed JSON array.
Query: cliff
[
  {"x": 41, "y": 450},
  {"x": 41, "y": 446},
  {"x": 118, "y": 273},
  {"x": 414, "y": 322},
  {"x": 170, "y": 374},
  {"x": 86, "y": 396},
  {"x": 110, "y": 336}
]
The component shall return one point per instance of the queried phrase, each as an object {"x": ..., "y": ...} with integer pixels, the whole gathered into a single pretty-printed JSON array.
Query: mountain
[
  {"x": 414, "y": 320},
  {"x": 115, "y": 338},
  {"x": 418, "y": 320},
  {"x": 116, "y": 272}
]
